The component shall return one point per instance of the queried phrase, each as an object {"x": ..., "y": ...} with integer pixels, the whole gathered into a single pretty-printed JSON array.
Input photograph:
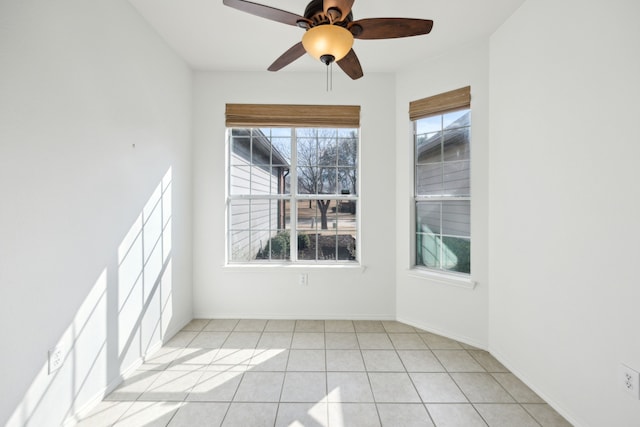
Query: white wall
[
  {"x": 221, "y": 291},
  {"x": 565, "y": 203},
  {"x": 81, "y": 83},
  {"x": 457, "y": 312}
]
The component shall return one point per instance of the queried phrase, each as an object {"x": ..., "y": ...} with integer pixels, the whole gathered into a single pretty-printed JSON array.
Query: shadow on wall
[{"x": 123, "y": 318}]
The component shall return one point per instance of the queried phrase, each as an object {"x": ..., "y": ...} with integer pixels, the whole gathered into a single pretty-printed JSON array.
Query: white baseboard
[{"x": 444, "y": 333}]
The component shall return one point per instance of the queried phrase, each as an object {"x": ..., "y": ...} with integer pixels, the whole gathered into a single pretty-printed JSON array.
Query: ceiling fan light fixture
[{"x": 327, "y": 40}]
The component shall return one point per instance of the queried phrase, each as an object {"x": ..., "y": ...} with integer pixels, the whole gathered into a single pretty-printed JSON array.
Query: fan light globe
[{"x": 327, "y": 39}]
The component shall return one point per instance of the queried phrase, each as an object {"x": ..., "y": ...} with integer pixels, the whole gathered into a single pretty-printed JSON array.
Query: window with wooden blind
[
  {"x": 442, "y": 181},
  {"x": 292, "y": 183}
]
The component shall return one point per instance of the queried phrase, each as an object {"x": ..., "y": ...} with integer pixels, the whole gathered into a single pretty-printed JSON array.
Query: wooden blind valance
[
  {"x": 255, "y": 115},
  {"x": 448, "y": 101}
]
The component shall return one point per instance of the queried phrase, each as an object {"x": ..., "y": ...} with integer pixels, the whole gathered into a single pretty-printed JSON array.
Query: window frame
[
  {"x": 293, "y": 197},
  {"x": 438, "y": 105}
]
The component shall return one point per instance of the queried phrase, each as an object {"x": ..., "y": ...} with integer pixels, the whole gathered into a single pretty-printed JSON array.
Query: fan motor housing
[{"x": 314, "y": 12}]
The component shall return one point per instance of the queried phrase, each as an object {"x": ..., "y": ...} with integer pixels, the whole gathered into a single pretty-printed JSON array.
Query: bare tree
[{"x": 326, "y": 165}]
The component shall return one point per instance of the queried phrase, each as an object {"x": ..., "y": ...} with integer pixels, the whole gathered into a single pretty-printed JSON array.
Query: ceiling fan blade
[
  {"x": 344, "y": 6},
  {"x": 350, "y": 64},
  {"x": 288, "y": 57},
  {"x": 266, "y": 12},
  {"x": 389, "y": 28}
]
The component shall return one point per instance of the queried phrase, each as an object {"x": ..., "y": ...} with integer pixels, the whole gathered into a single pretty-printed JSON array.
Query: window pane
[
  {"x": 240, "y": 179},
  {"x": 327, "y": 151},
  {"x": 456, "y": 119},
  {"x": 240, "y": 150},
  {"x": 429, "y": 148},
  {"x": 307, "y": 151},
  {"x": 456, "y": 144},
  {"x": 429, "y": 124},
  {"x": 456, "y": 254},
  {"x": 429, "y": 179},
  {"x": 348, "y": 152},
  {"x": 456, "y": 218},
  {"x": 239, "y": 215},
  {"x": 347, "y": 178},
  {"x": 457, "y": 179},
  {"x": 326, "y": 230},
  {"x": 281, "y": 151},
  {"x": 428, "y": 217},
  {"x": 308, "y": 179},
  {"x": 428, "y": 250}
]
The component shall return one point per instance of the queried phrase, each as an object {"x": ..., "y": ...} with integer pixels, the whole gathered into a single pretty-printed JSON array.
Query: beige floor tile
[
  {"x": 207, "y": 339},
  {"x": 250, "y": 325},
  {"x": 306, "y": 387},
  {"x": 404, "y": 415},
  {"x": 391, "y": 387},
  {"x": 171, "y": 386},
  {"x": 148, "y": 414},
  {"x": 349, "y": 387},
  {"x": 368, "y": 326},
  {"x": 251, "y": 414},
  {"x": 406, "y": 341},
  {"x": 193, "y": 358},
  {"x": 193, "y": 414},
  {"x": 382, "y": 361},
  {"x": 196, "y": 325},
  {"x": 260, "y": 387},
  {"x": 505, "y": 415},
  {"x": 455, "y": 415},
  {"x": 341, "y": 341},
  {"x": 392, "y": 326},
  {"x": 374, "y": 341},
  {"x": 481, "y": 388},
  {"x": 438, "y": 342},
  {"x": 306, "y": 360},
  {"x": 303, "y": 414},
  {"x": 181, "y": 339},
  {"x": 308, "y": 340},
  {"x": 309, "y": 326},
  {"x": 353, "y": 415},
  {"x": 546, "y": 415},
  {"x": 280, "y": 326},
  {"x": 228, "y": 357},
  {"x": 133, "y": 386},
  {"x": 344, "y": 360},
  {"x": 215, "y": 387},
  {"x": 221, "y": 325},
  {"x": 105, "y": 414},
  {"x": 338, "y": 326},
  {"x": 487, "y": 361},
  {"x": 458, "y": 361},
  {"x": 243, "y": 340},
  {"x": 274, "y": 360},
  {"x": 516, "y": 388},
  {"x": 275, "y": 340},
  {"x": 420, "y": 361},
  {"x": 437, "y": 388}
]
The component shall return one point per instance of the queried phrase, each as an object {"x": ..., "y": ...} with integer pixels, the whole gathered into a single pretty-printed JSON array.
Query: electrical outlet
[
  {"x": 303, "y": 279},
  {"x": 55, "y": 360},
  {"x": 630, "y": 379}
]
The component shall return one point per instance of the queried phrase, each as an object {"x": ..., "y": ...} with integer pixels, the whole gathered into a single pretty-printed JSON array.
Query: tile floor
[{"x": 252, "y": 373}]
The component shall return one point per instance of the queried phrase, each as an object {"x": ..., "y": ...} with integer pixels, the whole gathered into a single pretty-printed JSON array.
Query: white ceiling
[{"x": 211, "y": 36}]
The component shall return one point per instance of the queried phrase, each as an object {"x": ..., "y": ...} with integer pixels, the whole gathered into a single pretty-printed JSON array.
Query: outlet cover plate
[
  {"x": 630, "y": 380},
  {"x": 55, "y": 359}
]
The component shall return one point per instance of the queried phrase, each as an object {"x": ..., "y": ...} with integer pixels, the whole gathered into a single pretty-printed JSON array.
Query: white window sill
[
  {"x": 259, "y": 268},
  {"x": 443, "y": 278}
]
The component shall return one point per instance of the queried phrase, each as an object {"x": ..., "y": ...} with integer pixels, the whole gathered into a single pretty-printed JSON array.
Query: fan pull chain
[{"x": 330, "y": 77}]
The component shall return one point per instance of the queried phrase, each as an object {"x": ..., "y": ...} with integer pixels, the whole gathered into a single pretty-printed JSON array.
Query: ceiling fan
[{"x": 330, "y": 31}]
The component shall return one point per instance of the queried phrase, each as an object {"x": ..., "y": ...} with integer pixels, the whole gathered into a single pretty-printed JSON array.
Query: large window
[
  {"x": 442, "y": 182},
  {"x": 292, "y": 195}
]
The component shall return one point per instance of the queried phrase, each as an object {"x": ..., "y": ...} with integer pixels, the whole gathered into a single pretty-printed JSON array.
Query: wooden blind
[
  {"x": 442, "y": 103},
  {"x": 255, "y": 115}
]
